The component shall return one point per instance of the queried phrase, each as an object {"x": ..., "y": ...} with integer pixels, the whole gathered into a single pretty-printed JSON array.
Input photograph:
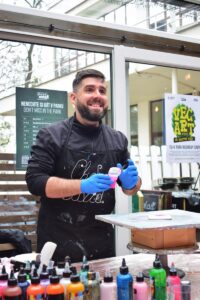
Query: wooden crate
[{"x": 164, "y": 238}]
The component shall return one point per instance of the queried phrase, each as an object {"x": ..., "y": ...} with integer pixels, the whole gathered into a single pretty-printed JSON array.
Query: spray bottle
[{"x": 124, "y": 283}]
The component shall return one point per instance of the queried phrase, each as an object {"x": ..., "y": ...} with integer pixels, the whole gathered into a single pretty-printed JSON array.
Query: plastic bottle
[
  {"x": 35, "y": 290},
  {"x": 174, "y": 283},
  {"x": 65, "y": 280},
  {"x": 23, "y": 282},
  {"x": 12, "y": 291},
  {"x": 75, "y": 289},
  {"x": 3, "y": 280},
  {"x": 27, "y": 270},
  {"x": 159, "y": 275},
  {"x": 108, "y": 287},
  {"x": 55, "y": 290},
  {"x": 140, "y": 288},
  {"x": 124, "y": 283},
  {"x": 44, "y": 278},
  {"x": 60, "y": 268},
  {"x": 84, "y": 270},
  {"x": 92, "y": 287}
]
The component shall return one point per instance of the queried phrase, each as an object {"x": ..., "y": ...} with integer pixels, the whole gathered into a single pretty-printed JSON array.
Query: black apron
[{"x": 70, "y": 222}]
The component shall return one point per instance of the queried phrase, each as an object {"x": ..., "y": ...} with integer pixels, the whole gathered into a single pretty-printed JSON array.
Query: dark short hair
[{"x": 84, "y": 74}]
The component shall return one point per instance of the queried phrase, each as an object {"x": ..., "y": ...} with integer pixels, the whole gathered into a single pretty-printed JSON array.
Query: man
[{"x": 68, "y": 168}]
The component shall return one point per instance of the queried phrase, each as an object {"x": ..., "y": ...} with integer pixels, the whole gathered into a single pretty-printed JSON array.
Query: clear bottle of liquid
[
  {"x": 108, "y": 287},
  {"x": 124, "y": 283}
]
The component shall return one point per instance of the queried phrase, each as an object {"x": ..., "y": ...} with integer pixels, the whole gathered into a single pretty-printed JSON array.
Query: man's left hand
[{"x": 128, "y": 176}]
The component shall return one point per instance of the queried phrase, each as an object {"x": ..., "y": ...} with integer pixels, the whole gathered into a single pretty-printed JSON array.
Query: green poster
[{"x": 35, "y": 108}]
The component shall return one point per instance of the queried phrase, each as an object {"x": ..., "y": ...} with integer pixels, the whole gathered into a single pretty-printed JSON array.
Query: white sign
[{"x": 182, "y": 128}]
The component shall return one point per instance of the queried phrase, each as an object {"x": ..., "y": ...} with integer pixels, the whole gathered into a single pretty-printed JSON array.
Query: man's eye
[{"x": 103, "y": 92}]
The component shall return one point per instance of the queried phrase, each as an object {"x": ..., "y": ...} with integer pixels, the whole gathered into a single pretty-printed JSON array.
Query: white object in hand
[{"x": 114, "y": 172}]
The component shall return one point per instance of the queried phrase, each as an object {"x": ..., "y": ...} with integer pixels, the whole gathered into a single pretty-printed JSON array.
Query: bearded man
[{"x": 68, "y": 169}]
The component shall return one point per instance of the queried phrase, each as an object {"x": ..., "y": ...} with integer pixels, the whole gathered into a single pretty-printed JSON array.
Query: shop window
[
  {"x": 156, "y": 117},
  {"x": 134, "y": 124}
]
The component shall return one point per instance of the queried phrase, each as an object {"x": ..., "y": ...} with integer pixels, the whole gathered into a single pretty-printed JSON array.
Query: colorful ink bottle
[
  {"x": 23, "y": 282},
  {"x": 65, "y": 280},
  {"x": 140, "y": 288},
  {"x": 75, "y": 289},
  {"x": 92, "y": 287},
  {"x": 55, "y": 290},
  {"x": 159, "y": 275},
  {"x": 124, "y": 283},
  {"x": 12, "y": 291},
  {"x": 3, "y": 280},
  {"x": 174, "y": 283},
  {"x": 35, "y": 290},
  {"x": 108, "y": 287}
]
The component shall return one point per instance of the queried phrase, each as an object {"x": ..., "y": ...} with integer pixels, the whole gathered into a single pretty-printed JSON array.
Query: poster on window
[
  {"x": 182, "y": 128},
  {"x": 35, "y": 108}
]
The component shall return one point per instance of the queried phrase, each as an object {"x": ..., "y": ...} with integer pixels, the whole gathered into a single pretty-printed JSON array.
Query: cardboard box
[{"x": 164, "y": 238}]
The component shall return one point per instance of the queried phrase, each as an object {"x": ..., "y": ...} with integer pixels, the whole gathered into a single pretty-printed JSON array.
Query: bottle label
[
  {"x": 55, "y": 297},
  {"x": 36, "y": 297},
  {"x": 76, "y": 296},
  {"x": 12, "y": 297}
]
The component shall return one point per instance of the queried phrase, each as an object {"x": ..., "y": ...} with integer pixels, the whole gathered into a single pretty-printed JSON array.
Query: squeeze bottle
[
  {"x": 44, "y": 278},
  {"x": 3, "y": 280},
  {"x": 114, "y": 172},
  {"x": 65, "y": 280},
  {"x": 75, "y": 289},
  {"x": 159, "y": 275},
  {"x": 108, "y": 288},
  {"x": 35, "y": 290},
  {"x": 23, "y": 283},
  {"x": 174, "y": 283},
  {"x": 84, "y": 270},
  {"x": 55, "y": 290},
  {"x": 124, "y": 283},
  {"x": 92, "y": 288},
  {"x": 12, "y": 291},
  {"x": 140, "y": 288}
]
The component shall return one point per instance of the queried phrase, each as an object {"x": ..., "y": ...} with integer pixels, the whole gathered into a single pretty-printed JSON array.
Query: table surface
[{"x": 140, "y": 220}]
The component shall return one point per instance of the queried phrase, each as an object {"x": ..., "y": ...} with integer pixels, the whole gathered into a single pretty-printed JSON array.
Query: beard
[{"x": 89, "y": 115}]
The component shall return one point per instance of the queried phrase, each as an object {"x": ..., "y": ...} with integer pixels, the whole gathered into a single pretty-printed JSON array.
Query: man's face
[{"x": 90, "y": 100}]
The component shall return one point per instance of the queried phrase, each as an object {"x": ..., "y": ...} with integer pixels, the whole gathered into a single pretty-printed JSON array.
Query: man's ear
[{"x": 72, "y": 97}]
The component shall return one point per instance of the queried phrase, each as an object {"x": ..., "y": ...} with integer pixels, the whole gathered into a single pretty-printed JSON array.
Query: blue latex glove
[
  {"x": 128, "y": 176},
  {"x": 96, "y": 183}
]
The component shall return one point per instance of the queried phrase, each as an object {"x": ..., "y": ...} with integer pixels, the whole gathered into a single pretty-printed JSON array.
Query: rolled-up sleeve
[{"x": 41, "y": 164}]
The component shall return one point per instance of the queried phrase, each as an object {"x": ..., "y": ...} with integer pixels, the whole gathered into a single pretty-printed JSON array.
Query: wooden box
[{"x": 164, "y": 238}]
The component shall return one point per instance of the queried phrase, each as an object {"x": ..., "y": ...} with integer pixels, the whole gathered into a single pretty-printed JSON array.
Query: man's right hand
[{"x": 96, "y": 183}]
